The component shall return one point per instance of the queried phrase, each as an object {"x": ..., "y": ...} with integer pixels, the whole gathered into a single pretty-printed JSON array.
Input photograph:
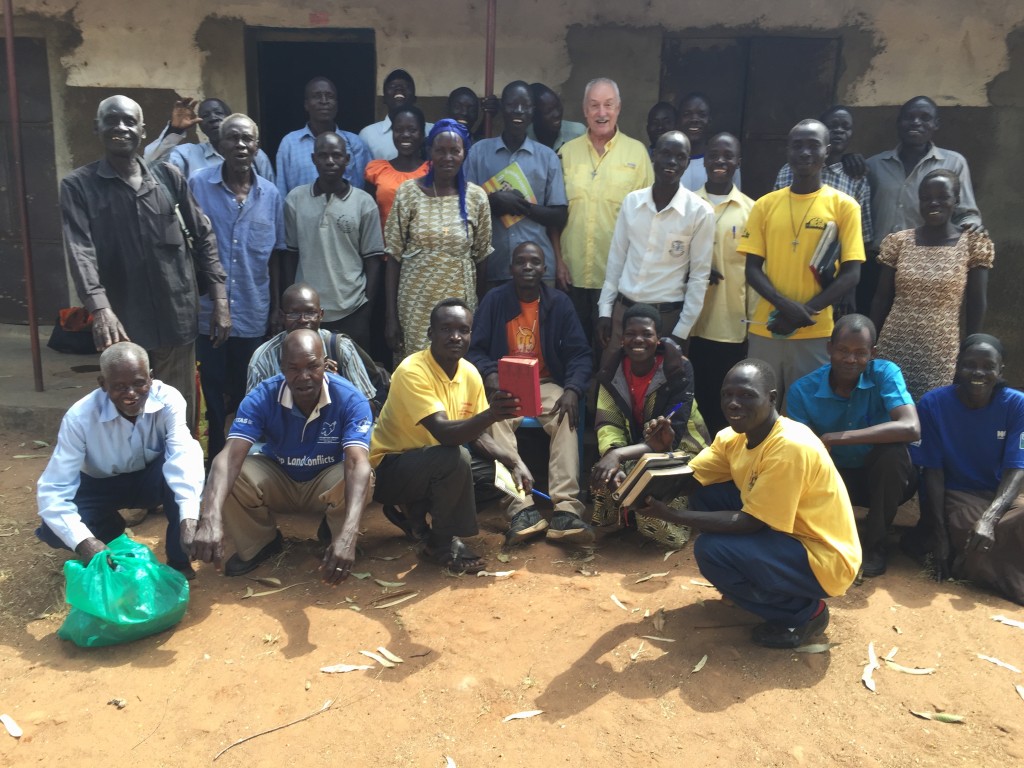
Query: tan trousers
[
  {"x": 564, "y": 461},
  {"x": 263, "y": 490}
]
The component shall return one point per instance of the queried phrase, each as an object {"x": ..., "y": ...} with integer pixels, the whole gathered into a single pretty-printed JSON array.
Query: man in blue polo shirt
[
  {"x": 316, "y": 432},
  {"x": 247, "y": 214},
  {"x": 860, "y": 408},
  {"x": 527, "y": 221}
]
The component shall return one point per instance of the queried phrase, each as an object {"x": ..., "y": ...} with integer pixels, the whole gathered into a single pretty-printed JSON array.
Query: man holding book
[
  {"x": 523, "y": 181},
  {"x": 860, "y": 408},
  {"x": 777, "y": 529},
  {"x": 528, "y": 319},
  {"x": 793, "y": 318},
  {"x": 436, "y": 407}
]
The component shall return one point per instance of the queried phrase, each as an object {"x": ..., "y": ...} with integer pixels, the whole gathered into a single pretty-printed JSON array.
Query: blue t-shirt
[
  {"x": 971, "y": 447},
  {"x": 811, "y": 401},
  {"x": 304, "y": 447}
]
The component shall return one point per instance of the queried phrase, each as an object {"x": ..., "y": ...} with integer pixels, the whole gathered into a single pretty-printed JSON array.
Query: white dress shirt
[
  {"x": 96, "y": 439},
  {"x": 652, "y": 253}
]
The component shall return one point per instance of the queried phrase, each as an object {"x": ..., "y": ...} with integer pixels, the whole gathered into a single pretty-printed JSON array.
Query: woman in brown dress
[{"x": 925, "y": 275}]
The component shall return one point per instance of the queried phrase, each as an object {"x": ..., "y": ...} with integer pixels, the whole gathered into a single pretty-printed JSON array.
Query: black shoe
[
  {"x": 565, "y": 525},
  {"x": 874, "y": 563},
  {"x": 323, "y": 533},
  {"x": 185, "y": 569},
  {"x": 236, "y": 566},
  {"x": 772, "y": 634},
  {"x": 413, "y": 532},
  {"x": 526, "y": 524}
]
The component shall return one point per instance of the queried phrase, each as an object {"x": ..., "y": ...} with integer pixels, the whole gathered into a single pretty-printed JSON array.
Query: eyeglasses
[{"x": 301, "y": 315}]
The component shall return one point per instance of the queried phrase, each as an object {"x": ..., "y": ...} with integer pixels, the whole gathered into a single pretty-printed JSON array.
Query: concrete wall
[{"x": 970, "y": 62}]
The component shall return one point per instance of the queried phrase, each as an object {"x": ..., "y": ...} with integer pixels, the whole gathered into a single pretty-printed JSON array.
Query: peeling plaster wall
[{"x": 969, "y": 58}]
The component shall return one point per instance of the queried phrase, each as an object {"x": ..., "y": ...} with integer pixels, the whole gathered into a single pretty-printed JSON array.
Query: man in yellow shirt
[
  {"x": 600, "y": 167},
  {"x": 777, "y": 529},
  {"x": 436, "y": 406},
  {"x": 793, "y": 320}
]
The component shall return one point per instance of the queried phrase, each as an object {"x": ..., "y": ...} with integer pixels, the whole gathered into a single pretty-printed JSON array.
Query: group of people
[{"x": 638, "y": 276}]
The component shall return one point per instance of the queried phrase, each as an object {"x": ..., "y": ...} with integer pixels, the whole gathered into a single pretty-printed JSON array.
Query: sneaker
[
  {"x": 874, "y": 563},
  {"x": 772, "y": 634},
  {"x": 526, "y": 524},
  {"x": 565, "y": 525},
  {"x": 236, "y": 566}
]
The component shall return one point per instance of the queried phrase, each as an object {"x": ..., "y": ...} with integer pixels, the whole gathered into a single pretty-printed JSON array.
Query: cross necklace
[{"x": 796, "y": 228}]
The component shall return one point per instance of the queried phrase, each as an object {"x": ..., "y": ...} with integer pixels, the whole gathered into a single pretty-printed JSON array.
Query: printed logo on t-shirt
[
  {"x": 750, "y": 483},
  {"x": 327, "y": 433},
  {"x": 346, "y": 224},
  {"x": 1000, "y": 434},
  {"x": 465, "y": 410},
  {"x": 363, "y": 426},
  {"x": 1022, "y": 441},
  {"x": 815, "y": 223}
]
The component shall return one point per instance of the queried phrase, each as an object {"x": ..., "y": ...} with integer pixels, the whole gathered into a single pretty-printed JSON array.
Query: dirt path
[{"x": 478, "y": 649}]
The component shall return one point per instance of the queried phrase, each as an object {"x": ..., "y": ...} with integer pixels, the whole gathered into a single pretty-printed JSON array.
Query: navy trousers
[
  {"x": 765, "y": 572},
  {"x": 98, "y": 500}
]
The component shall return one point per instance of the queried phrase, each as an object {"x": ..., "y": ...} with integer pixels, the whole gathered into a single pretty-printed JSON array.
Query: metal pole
[
  {"x": 492, "y": 21},
  {"x": 19, "y": 182}
]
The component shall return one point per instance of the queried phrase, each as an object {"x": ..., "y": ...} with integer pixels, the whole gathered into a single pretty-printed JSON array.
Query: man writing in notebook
[{"x": 526, "y": 318}]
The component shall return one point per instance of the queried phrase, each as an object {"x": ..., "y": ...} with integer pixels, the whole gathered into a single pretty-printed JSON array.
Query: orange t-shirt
[{"x": 523, "y": 334}]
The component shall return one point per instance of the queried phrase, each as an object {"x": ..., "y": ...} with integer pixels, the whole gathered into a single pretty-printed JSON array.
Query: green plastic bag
[{"x": 123, "y": 594}]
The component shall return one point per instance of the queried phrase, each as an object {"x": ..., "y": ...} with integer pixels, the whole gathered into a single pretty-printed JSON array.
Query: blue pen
[
  {"x": 672, "y": 413},
  {"x": 734, "y": 233},
  {"x": 535, "y": 492}
]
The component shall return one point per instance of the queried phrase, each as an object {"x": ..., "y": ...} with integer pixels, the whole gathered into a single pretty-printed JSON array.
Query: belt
[{"x": 665, "y": 306}]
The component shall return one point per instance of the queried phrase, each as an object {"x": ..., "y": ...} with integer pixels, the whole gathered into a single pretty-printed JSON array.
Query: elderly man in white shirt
[
  {"x": 661, "y": 249},
  {"x": 124, "y": 445}
]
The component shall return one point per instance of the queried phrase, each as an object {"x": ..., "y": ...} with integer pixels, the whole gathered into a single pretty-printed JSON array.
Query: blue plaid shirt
[
  {"x": 295, "y": 164},
  {"x": 246, "y": 238},
  {"x": 836, "y": 177}
]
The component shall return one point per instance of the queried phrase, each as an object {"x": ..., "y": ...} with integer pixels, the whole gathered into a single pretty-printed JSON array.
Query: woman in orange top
[{"x": 384, "y": 177}]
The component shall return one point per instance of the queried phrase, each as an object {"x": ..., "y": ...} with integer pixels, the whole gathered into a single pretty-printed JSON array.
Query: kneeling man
[
  {"x": 124, "y": 445},
  {"x": 863, "y": 413},
  {"x": 777, "y": 529},
  {"x": 315, "y": 428}
]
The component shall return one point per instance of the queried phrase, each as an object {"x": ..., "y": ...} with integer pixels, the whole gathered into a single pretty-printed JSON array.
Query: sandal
[
  {"x": 457, "y": 558},
  {"x": 398, "y": 518}
]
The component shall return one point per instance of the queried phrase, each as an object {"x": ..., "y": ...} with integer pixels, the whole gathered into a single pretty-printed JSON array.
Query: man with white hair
[
  {"x": 600, "y": 168},
  {"x": 124, "y": 445}
]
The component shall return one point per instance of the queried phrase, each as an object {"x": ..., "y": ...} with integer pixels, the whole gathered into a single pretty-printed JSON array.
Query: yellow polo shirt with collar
[
  {"x": 595, "y": 186},
  {"x": 419, "y": 388}
]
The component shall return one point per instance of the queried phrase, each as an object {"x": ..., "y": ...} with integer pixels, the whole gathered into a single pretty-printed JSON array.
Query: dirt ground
[{"x": 477, "y": 649}]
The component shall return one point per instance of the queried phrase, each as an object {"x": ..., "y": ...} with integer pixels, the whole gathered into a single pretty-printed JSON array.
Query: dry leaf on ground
[
  {"x": 998, "y": 663},
  {"x": 619, "y": 603},
  {"x": 940, "y": 717},
  {"x": 337, "y": 668},
  {"x": 378, "y": 658},
  {"x": 815, "y": 647},
  {"x": 867, "y": 676},
  {"x": 389, "y": 655},
  {"x": 701, "y": 663},
  {"x": 523, "y": 715},
  {"x": 12, "y": 727}
]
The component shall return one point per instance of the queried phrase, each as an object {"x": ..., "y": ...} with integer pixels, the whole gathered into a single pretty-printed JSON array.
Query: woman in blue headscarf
[{"x": 438, "y": 230}]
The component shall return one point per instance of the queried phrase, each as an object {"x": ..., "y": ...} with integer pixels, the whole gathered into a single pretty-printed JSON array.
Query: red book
[{"x": 521, "y": 377}]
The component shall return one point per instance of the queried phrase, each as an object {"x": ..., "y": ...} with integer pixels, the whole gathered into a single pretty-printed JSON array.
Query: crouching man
[
  {"x": 777, "y": 529},
  {"x": 315, "y": 429},
  {"x": 124, "y": 445}
]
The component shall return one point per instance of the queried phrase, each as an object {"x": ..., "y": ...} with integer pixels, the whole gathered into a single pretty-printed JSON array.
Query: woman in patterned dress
[
  {"x": 925, "y": 275},
  {"x": 438, "y": 230}
]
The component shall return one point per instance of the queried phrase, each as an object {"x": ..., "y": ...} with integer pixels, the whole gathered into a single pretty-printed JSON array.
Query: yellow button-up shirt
[
  {"x": 596, "y": 186},
  {"x": 728, "y": 303}
]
